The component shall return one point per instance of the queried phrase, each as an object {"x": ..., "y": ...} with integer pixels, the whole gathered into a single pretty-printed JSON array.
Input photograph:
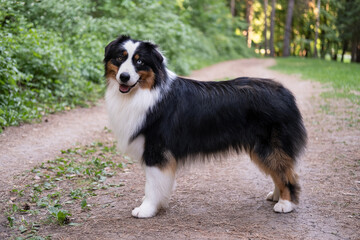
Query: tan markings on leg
[
  {"x": 147, "y": 79},
  {"x": 280, "y": 167},
  {"x": 284, "y": 191},
  {"x": 111, "y": 71},
  {"x": 255, "y": 158},
  {"x": 171, "y": 165},
  {"x": 293, "y": 178},
  {"x": 279, "y": 160}
]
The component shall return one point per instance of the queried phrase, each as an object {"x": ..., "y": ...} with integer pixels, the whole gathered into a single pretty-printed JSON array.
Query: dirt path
[
  {"x": 216, "y": 201},
  {"x": 28, "y": 145}
]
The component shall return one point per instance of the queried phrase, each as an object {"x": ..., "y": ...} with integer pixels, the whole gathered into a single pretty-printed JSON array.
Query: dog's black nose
[{"x": 124, "y": 77}]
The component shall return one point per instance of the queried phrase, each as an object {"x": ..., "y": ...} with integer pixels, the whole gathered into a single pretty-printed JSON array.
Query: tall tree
[
  {"x": 265, "y": 27},
  {"x": 329, "y": 34},
  {"x": 272, "y": 26},
  {"x": 233, "y": 8},
  {"x": 289, "y": 14},
  {"x": 348, "y": 25},
  {"x": 249, "y": 17},
  {"x": 317, "y": 28}
]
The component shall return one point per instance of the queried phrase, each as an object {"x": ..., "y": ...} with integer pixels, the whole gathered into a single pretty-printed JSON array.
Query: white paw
[
  {"x": 283, "y": 206},
  {"x": 272, "y": 196},
  {"x": 146, "y": 210},
  {"x": 269, "y": 197}
]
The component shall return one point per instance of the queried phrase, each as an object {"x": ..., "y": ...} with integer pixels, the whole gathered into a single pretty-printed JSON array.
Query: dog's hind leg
[
  {"x": 159, "y": 185},
  {"x": 288, "y": 187},
  {"x": 281, "y": 169}
]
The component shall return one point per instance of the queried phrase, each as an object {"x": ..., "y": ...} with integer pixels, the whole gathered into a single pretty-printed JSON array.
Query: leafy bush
[
  {"x": 51, "y": 51},
  {"x": 40, "y": 72}
]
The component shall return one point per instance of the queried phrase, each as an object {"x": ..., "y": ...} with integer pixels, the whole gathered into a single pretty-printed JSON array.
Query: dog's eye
[
  {"x": 139, "y": 62},
  {"x": 119, "y": 59}
]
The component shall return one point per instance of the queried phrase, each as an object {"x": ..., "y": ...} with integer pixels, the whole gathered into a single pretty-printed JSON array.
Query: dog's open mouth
[{"x": 123, "y": 88}]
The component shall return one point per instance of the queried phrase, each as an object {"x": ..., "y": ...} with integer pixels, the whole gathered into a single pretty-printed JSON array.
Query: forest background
[{"x": 51, "y": 51}]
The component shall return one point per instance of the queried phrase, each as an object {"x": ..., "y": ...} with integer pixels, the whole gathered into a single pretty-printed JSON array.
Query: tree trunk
[
  {"x": 334, "y": 56},
  {"x": 317, "y": 29},
  {"x": 249, "y": 16},
  {"x": 265, "y": 27},
  {"x": 289, "y": 14},
  {"x": 358, "y": 52},
  {"x": 353, "y": 50},
  {"x": 322, "y": 51},
  {"x": 307, "y": 45},
  {"x": 323, "y": 34},
  {"x": 345, "y": 46},
  {"x": 232, "y": 8},
  {"x": 272, "y": 26},
  {"x": 328, "y": 45}
]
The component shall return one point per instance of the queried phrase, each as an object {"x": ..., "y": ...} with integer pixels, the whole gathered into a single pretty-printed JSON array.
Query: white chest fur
[{"x": 127, "y": 113}]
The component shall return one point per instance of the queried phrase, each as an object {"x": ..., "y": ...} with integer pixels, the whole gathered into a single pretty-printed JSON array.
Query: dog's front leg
[{"x": 158, "y": 189}]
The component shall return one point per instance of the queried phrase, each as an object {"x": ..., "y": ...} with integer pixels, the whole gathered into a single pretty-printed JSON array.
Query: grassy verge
[
  {"x": 343, "y": 78},
  {"x": 64, "y": 191},
  {"x": 343, "y": 81}
]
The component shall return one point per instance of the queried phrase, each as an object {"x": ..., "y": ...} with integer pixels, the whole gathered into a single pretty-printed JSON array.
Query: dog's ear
[
  {"x": 120, "y": 39},
  {"x": 123, "y": 38},
  {"x": 158, "y": 55},
  {"x": 108, "y": 47},
  {"x": 153, "y": 48}
]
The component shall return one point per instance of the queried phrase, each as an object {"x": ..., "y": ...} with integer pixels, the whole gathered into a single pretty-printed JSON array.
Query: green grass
[{"x": 343, "y": 78}]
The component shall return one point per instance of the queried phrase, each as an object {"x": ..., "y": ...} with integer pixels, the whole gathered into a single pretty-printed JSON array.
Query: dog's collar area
[{"x": 123, "y": 88}]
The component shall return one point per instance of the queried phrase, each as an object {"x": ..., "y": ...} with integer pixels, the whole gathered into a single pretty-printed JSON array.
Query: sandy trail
[
  {"x": 215, "y": 201},
  {"x": 28, "y": 145}
]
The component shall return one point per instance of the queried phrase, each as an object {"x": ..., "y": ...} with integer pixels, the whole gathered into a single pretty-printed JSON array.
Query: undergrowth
[{"x": 58, "y": 192}]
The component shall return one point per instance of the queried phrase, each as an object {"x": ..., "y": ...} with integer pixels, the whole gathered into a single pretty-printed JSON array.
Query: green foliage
[
  {"x": 348, "y": 20},
  {"x": 39, "y": 72},
  {"x": 11, "y": 221},
  {"x": 61, "y": 215},
  {"x": 84, "y": 204},
  {"x": 51, "y": 51}
]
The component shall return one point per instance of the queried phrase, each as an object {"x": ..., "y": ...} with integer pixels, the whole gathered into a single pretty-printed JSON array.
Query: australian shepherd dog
[{"x": 166, "y": 121}]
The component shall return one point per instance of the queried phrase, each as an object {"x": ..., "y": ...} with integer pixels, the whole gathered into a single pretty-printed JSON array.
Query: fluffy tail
[{"x": 294, "y": 189}]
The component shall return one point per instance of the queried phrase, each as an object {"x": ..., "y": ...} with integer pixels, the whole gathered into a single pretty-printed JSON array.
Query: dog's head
[{"x": 133, "y": 64}]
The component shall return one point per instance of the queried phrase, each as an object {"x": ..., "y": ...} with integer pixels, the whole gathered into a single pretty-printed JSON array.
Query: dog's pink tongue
[{"x": 123, "y": 88}]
